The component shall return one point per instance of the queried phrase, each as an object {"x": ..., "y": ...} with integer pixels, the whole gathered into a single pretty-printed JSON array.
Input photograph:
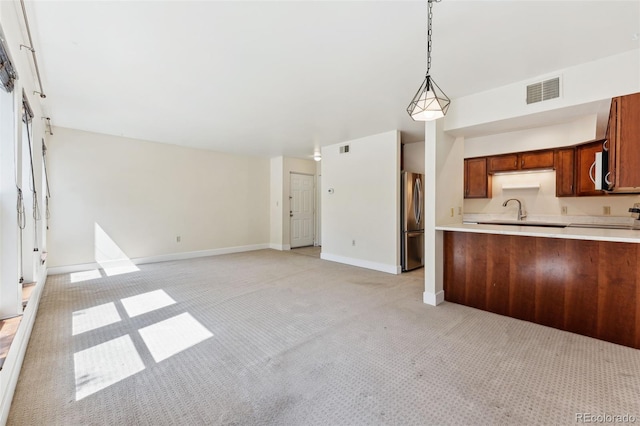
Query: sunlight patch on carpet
[
  {"x": 104, "y": 365},
  {"x": 146, "y": 302},
  {"x": 109, "y": 255},
  {"x": 78, "y": 277},
  {"x": 169, "y": 337},
  {"x": 93, "y": 318}
]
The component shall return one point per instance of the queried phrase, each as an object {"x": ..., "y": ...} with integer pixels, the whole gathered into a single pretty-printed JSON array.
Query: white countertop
[{"x": 596, "y": 234}]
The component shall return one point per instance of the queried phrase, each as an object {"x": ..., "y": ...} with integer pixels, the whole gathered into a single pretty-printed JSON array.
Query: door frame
[{"x": 314, "y": 198}]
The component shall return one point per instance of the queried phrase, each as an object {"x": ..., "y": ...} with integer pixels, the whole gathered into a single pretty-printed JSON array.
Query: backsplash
[{"x": 542, "y": 201}]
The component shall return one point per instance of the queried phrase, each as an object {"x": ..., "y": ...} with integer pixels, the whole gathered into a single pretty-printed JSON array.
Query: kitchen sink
[{"x": 524, "y": 223}]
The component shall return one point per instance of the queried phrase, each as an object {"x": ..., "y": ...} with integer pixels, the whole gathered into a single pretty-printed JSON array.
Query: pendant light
[{"x": 430, "y": 102}]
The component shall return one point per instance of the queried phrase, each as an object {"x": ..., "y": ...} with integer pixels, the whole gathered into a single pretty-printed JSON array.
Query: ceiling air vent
[
  {"x": 344, "y": 149},
  {"x": 543, "y": 91}
]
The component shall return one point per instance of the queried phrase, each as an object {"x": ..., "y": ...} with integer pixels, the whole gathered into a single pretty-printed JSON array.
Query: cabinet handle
[
  {"x": 591, "y": 175},
  {"x": 604, "y": 145},
  {"x": 522, "y": 163},
  {"x": 606, "y": 178}
]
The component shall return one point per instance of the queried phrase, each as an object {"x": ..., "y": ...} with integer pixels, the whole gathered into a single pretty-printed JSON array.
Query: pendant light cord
[{"x": 429, "y": 31}]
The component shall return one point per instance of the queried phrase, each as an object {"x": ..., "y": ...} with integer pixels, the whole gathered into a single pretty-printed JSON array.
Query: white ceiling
[{"x": 286, "y": 77}]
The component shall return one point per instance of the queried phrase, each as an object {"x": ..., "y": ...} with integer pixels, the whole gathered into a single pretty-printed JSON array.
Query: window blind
[
  {"x": 27, "y": 112},
  {"x": 7, "y": 72}
]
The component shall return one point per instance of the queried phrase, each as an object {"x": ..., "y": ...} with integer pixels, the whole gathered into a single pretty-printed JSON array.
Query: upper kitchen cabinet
[
  {"x": 536, "y": 160},
  {"x": 586, "y": 168},
  {"x": 531, "y": 160},
  {"x": 477, "y": 182},
  {"x": 503, "y": 163},
  {"x": 565, "y": 172},
  {"x": 623, "y": 142}
]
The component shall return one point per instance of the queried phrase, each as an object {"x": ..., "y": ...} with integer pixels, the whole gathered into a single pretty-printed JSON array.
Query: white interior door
[{"x": 301, "y": 210}]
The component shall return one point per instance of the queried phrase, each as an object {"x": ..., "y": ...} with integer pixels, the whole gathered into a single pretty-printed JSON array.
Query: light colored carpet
[{"x": 295, "y": 340}]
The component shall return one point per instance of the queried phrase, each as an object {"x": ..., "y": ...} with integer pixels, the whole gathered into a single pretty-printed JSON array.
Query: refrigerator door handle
[{"x": 417, "y": 200}]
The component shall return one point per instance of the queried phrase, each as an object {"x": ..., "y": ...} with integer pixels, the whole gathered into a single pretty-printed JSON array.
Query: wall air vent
[
  {"x": 344, "y": 149},
  {"x": 543, "y": 91}
]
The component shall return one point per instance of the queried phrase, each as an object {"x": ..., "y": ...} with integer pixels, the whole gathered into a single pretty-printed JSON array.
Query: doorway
[{"x": 302, "y": 210}]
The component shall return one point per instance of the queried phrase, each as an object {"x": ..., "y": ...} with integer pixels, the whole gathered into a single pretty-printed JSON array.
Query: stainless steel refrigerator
[{"x": 412, "y": 247}]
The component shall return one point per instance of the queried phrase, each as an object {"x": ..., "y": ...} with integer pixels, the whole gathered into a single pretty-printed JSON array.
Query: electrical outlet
[
  {"x": 606, "y": 210},
  {"x": 451, "y": 213},
  {"x": 178, "y": 239},
  {"x": 353, "y": 242},
  {"x": 459, "y": 211},
  {"x": 563, "y": 210}
]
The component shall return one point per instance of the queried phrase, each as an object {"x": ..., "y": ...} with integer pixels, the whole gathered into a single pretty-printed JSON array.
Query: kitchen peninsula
[{"x": 582, "y": 280}]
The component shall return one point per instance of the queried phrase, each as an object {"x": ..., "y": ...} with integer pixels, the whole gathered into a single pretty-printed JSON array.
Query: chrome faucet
[{"x": 521, "y": 215}]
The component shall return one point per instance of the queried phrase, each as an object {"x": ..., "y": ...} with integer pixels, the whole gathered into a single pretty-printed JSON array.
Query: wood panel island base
[{"x": 588, "y": 287}]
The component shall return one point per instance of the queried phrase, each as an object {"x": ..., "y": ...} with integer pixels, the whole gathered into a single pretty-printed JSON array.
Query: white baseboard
[
  {"x": 67, "y": 269},
  {"x": 15, "y": 356},
  {"x": 433, "y": 299},
  {"x": 162, "y": 258},
  {"x": 281, "y": 247},
  {"x": 382, "y": 267},
  {"x": 196, "y": 254}
]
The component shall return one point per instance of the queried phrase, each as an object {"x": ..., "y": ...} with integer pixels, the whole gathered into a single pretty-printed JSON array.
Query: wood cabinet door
[
  {"x": 585, "y": 168},
  {"x": 503, "y": 163},
  {"x": 611, "y": 141},
  {"x": 536, "y": 160},
  {"x": 466, "y": 177},
  {"x": 477, "y": 182},
  {"x": 565, "y": 172},
  {"x": 627, "y": 144}
]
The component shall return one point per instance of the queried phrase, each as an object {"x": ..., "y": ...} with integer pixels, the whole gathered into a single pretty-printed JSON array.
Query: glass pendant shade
[{"x": 429, "y": 103}]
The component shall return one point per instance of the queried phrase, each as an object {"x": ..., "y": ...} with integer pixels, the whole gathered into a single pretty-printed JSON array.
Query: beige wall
[
  {"x": 450, "y": 177},
  {"x": 413, "y": 157},
  {"x": 280, "y": 222},
  {"x": 365, "y": 203},
  {"x": 589, "y": 82},
  {"x": 444, "y": 175},
  {"x": 582, "y": 129},
  {"x": 276, "y": 202},
  {"x": 145, "y": 194}
]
